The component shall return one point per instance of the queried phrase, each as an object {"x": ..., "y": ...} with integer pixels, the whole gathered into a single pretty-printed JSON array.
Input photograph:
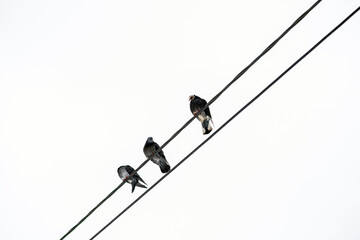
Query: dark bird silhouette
[
  {"x": 196, "y": 104},
  {"x": 124, "y": 173},
  {"x": 150, "y": 149}
]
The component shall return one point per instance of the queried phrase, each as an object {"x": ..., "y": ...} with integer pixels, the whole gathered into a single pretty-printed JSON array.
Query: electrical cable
[
  {"x": 229, "y": 120},
  {"x": 189, "y": 121}
]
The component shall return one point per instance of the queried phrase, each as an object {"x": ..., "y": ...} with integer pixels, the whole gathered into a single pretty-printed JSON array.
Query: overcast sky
[{"x": 84, "y": 83}]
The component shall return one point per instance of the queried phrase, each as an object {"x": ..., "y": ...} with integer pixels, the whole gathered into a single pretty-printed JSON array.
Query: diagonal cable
[
  {"x": 192, "y": 118},
  {"x": 229, "y": 120}
]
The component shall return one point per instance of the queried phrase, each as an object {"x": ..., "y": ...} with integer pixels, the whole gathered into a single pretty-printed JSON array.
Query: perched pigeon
[
  {"x": 150, "y": 149},
  {"x": 124, "y": 173},
  {"x": 196, "y": 104}
]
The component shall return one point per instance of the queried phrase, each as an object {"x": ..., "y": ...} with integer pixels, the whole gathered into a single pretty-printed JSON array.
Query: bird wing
[
  {"x": 157, "y": 147},
  {"x": 207, "y": 110},
  {"x": 136, "y": 175},
  {"x": 129, "y": 169}
]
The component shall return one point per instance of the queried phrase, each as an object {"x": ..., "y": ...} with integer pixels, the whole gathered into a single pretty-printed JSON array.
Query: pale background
[{"x": 84, "y": 83}]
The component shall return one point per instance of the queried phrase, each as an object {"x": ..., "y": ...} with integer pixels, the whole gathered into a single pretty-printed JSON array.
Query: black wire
[
  {"x": 189, "y": 121},
  {"x": 228, "y": 121}
]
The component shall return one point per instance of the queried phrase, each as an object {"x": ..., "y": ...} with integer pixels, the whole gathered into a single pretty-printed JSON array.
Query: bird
[
  {"x": 196, "y": 104},
  {"x": 124, "y": 173},
  {"x": 150, "y": 149}
]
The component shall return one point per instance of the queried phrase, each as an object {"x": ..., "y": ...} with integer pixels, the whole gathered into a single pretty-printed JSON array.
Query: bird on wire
[
  {"x": 196, "y": 104},
  {"x": 159, "y": 159},
  {"x": 124, "y": 173}
]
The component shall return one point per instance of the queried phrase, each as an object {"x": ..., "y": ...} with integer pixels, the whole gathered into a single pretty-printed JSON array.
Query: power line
[
  {"x": 230, "y": 119},
  {"x": 192, "y": 118}
]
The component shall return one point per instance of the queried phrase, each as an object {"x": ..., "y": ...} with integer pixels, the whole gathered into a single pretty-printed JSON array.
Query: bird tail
[
  {"x": 212, "y": 123},
  {"x": 135, "y": 182},
  {"x": 140, "y": 185},
  {"x": 164, "y": 165},
  {"x": 206, "y": 126},
  {"x": 140, "y": 180}
]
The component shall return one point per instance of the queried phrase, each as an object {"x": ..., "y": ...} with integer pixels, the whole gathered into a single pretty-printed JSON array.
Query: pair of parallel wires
[{"x": 219, "y": 129}]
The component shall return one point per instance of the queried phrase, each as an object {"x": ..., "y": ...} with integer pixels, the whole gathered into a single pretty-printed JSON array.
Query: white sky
[{"x": 84, "y": 83}]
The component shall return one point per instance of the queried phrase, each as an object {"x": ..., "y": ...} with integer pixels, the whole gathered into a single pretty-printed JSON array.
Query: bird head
[{"x": 150, "y": 139}]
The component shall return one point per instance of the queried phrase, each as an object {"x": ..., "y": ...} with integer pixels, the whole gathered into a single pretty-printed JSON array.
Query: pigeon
[
  {"x": 124, "y": 173},
  {"x": 196, "y": 104},
  {"x": 150, "y": 149}
]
